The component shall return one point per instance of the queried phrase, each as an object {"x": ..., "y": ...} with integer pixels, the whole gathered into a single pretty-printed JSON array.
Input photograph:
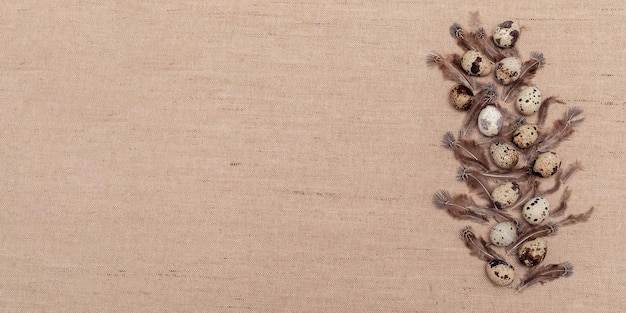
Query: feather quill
[
  {"x": 478, "y": 246},
  {"x": 450, "y": 68},
  {"x": 566, "y": 174},
  {"x": 545, "y": 273},
  {"x": 532, "y": 232}
]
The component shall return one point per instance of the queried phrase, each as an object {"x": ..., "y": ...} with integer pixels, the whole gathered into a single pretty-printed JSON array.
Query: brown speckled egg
[
  {"x": 506, "y": 34},
  {"x": 505, "y": 195},
  {"x": 504, "y": 155},
  {"x": 508, "y": 70},
  {"x": 525, "y": 136},
  {"x": 503, "y": 234},
  {"x": 475, "y": 63},
  {"x": 547, "y": 164},
  {"x": 500, "y": 272},
  {"x": 528, "y": 100},
  {"x": 536, "y": 210},
  {"x": 532, "y": 252},
  {"x": 461, "y": 97}
]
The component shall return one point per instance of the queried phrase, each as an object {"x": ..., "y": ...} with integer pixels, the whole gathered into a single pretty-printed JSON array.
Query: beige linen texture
[{"x": 264, "y": 156}]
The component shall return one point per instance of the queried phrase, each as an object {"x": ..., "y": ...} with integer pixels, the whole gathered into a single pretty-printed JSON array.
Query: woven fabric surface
[{"x": 268, "y": 156}]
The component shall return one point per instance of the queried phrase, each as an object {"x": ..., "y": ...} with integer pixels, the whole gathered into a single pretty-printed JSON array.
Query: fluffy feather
[
  {"x": 529, "y": 69},
  {"x": 545, "y": 273},
  {"x": 470, "y": 41},
  {"x": 532, "y": 232},
  {"x": 451, "y": 70},
  {"x": 558, "y": 211},
  {"x": 543, "y": 109},
  {"x": 478, "y": 246},
  {"x": 567, "y": 173},
  {"x": 560, "y": 131},
  {"x": 459, "y": 207},
  {"x": 475, "y": 183},
  {"x": 467, "y": 151},
  {"x": 575, "y": 218}
]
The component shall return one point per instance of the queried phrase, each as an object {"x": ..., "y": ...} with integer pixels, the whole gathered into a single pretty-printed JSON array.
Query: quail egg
[{"x": 536, "y": 210}]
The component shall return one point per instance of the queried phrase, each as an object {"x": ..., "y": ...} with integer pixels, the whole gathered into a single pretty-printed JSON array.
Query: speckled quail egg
[
  {"x": 505, "y": 195},
  {"x": 528, "y": 100},
  {"x": 461, "y": 97},
  {"x": 532, "y": 252},
  {"x": 536, "y": 210},
  {"x": 503, "y": 234},
  {"x": 504, "y": 155},
  {"x": 547, "y": 164},
  {"x": 525, "y": 136},
  {"x": 475, "y": 63},
  {"x": 507, "y": 70},
  {"x": 506, "y": 34},
  {"x": 500, "y": 272},
  {"x": 490, "y": 121}
]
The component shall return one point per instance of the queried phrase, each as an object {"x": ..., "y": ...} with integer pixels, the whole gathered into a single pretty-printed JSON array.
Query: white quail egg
[
  {"x": 475, "y": 63},
  {"x": 503, "y": 234},
  {"x": 536, "y": 210},
  {"x": 547, "y": 164},
  {"x": 525, "y": 136},
  {"x": 506, "y": 34},
  {"x": 490, "y": 121},
  {"x": 505, "y": 195},
  {"x": 504, "y": 155},
  {"x": 500, "y": 272},
  {"x": 508, "y": 69},
  {"x": 461, "y": 97},
  {"x": 528, "y": 100},
  {"x": 532, "y": 252}
]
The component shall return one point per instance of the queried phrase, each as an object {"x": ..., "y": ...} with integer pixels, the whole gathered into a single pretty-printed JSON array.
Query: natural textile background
[{"x": 267, "y": 156}]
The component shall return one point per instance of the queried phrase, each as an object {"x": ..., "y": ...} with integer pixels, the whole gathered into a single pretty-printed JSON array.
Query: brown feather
[
  {"x": 476, "y": 183},
  {"x": 467, "y": 151},
  {"x": 478, "y": 246},
  {"x": 560, "y": 131},
  {"x": 532, "y": 232},
  {"x": 567, "y": 173},
  {"x": 554, "y": 188},
  {"x": 576, "y": 218},
  {"x": 545, "y": 273},
  {"x": 450, "y": 67},
  {"x": 542, "y": 113},
  {"x": 461, "y": 211},
  {"x": 529, "y": 69},
  {"x": 558, "y": 211}
]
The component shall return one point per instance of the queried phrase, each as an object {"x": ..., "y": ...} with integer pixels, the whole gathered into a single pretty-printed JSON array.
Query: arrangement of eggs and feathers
[{"x": 507, "y": 154}]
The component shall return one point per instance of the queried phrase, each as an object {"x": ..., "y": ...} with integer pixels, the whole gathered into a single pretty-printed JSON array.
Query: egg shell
[
  {"x": 525, "y": 136},
  {"x": 490, "y": 121},
  {"x": 504, "y": 155},
  {"x": 505, "y": 195},
  {"x": 503, "y": 234},
  {"x": 507, "y": 70},
  {"x": 461, "y": 97},
  {"x": 536, "y": 210},
  {"x": 532, "y": 252},
  {"x": 547, "y": 164},
  {"x": 500, "y": 272},
  {"x": 475, "y": 63},
  {"x": 528, "y": 100},
  {"x": 506, "y": 34}
]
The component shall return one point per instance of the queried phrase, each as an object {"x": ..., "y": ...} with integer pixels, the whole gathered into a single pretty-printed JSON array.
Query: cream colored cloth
[{"x": 237, "y": 156}]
